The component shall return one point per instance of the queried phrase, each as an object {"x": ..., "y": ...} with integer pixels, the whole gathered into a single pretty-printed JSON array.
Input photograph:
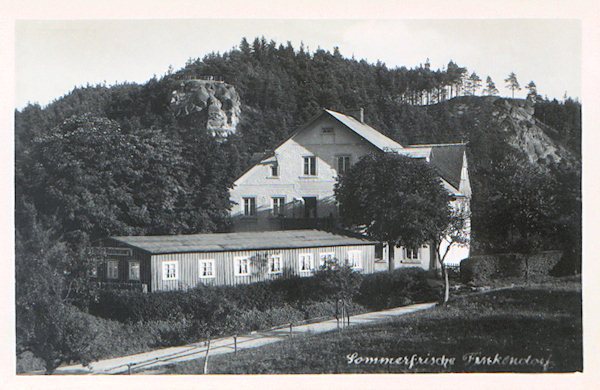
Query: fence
[{"x": 342, "y": 317}]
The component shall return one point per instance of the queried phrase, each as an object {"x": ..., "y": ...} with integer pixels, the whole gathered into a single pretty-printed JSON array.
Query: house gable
[
  {"x": 297, "y": 179},
  {"x": 324, "y": 142}
]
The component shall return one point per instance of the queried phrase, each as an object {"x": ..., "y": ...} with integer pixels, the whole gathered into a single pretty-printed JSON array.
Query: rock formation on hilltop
[
  {"x": 515, "y": 119},
  {"x": 214, "y": 104},
  {"x": 527, "y": 133}
]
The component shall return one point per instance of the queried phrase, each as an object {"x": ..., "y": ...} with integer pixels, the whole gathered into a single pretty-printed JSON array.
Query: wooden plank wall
[
  {"x": 136, "y": 255},
  {"x": 188, "y": 265}
]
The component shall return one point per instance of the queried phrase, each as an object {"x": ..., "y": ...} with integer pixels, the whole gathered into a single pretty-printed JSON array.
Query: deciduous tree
[{"x": 396, "y": 199}]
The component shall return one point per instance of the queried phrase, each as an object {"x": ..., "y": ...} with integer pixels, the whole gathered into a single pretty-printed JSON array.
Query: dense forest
[{"x": 118, "y": 160}]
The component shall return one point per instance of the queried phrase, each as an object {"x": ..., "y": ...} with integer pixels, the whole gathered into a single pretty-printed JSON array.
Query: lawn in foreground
[{"x": 524, "y": 329}]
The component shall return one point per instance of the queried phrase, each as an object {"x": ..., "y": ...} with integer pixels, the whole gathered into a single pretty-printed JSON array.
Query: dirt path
[{"x": 153, "y": 359}]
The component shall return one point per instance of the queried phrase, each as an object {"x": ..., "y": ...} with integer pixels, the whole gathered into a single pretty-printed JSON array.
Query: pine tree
[
  {"x": 474, "y": 83},
  {"x": 490, "y": 88},
  {"x": 532, "y": 94},
  {"x": 512, "y": 83}
]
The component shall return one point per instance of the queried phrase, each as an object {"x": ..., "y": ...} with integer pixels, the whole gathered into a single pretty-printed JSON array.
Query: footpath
[{"x": 153, "y": 359}]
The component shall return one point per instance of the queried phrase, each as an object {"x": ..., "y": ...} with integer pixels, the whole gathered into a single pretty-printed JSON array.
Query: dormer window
[{"x": 274, "y": 170}]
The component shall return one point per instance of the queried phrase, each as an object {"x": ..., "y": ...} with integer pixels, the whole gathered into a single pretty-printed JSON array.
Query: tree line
[{"x": 104, "y": 161}]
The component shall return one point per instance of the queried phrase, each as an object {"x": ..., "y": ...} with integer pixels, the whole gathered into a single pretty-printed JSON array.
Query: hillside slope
[{"x": 268, "y": 92}]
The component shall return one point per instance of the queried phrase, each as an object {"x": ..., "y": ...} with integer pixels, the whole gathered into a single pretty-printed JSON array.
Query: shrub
[
  {"x": 543, "y": 263},
  {"x": 487, "y": 268},
  {"x": 401, "y": 287},
  {"x": 214, "y": 303}
]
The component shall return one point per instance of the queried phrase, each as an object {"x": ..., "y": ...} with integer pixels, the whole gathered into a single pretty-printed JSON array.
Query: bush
[
  {"x": 543, "y": 263},
  {"x": 487, "y": 268},
  {"x": 67, "y": 335},
  {"x": 401, "y": 287},
  {"x": 214, "y": 303}
]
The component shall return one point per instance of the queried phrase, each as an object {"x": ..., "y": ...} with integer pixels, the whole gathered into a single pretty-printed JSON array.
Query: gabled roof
[
  {"x": 223, "y": 242},
  {"x": 447, "y": 159},
  {"x": 366, "y": 132}
]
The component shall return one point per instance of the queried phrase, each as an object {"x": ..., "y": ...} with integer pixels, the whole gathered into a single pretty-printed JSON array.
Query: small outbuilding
[{"x": 185, "y": 261}]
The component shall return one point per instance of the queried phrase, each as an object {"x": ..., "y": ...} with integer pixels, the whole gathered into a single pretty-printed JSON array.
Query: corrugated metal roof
[
  {"x": 366, "y": 132},
  {"x": 222, "y": 242}
]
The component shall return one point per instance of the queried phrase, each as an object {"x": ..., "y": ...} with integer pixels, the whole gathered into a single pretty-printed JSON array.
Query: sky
[{"x": 54, "y": 56}]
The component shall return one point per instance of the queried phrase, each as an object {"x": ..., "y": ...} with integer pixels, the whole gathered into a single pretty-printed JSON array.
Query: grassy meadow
[{"x": 534, "y": 328}]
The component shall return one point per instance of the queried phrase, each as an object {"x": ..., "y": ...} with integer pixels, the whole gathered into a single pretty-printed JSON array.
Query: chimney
[{"x": 362, "y": 115}]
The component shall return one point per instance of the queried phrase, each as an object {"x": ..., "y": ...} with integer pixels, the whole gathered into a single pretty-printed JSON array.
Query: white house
[{"x": 292, "y": 187}]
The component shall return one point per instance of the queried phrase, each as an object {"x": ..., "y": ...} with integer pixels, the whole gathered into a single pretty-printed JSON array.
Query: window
[
  {"x": 411, "y": 254},
  {"x": 354, "y": 259},
  {"x": 343, "y": 164},
  {"x": 379, "y": 251},
  {"x": 207, "y": 268},
  {"x": 274, "y": 170},
  {"x": 112, "y": 269},
  {"x": 249, "y": 207},
  {"x": 306, "y": 262},
  {"x": 278, "y": 206},
  {"x": 310, "y": 206},
  {"x": 241, "y": 266},
  {"x": 134, "y": 270},
  {"x": 327, "y": 130},
  {"x": 326, "y": 259},
  {"x": 170, "y": 270},
  {"x": 310, "y": 166},
  {"x": 275, "y": 264}
]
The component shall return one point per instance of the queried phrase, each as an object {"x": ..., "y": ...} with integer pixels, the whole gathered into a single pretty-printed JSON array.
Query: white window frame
[
  {"x": 112, "y": 265},
  {"x": 237, "y": 265},
  {"x": 166, "y": 266},
  {"x": 134, "y": 264},
  {"x": 311, "y": 262},
  {"x": 274, "y": 170},
  {"x": 250, "y": 211},
  {"x": 201, "y": 263},
  {"x": 308, "y": 167},
  {"x": 323, "y": 256},
  {"x": 275, "y": 259},
  {"x": 345, "y": 162},
  {"x": 355, "y": 259},
  {"x": 281, "y": 208},
  {"x": 407, "y": 259}
]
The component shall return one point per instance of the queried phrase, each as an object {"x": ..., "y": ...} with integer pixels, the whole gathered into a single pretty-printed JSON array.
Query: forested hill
[{"x": 120, "y": 160}]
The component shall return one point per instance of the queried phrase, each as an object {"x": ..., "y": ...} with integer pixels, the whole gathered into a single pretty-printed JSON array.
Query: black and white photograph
[{"x": 297, "y": 195}]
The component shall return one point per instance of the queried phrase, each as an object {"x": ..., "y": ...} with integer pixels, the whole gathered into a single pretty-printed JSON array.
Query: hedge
[
  {"x": 216, "y": 304},
  {"x": 126, "y": 322},
  {"x": 488, "y": 268},
  {"x": 401, "y": 287}
]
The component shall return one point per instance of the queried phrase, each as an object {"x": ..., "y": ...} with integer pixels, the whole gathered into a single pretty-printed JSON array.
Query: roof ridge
[
  {"x": 367, "y": 137},
  {"x": 434, "y": 145}
]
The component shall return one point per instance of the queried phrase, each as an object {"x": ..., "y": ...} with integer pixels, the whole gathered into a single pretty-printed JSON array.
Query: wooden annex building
[{"x": 185, "y": 261}]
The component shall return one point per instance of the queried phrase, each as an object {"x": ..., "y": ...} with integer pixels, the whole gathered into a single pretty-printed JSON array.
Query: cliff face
[
  {"x": 527, "y": 133},
  {"x": 515, "y": 119},
  {"x": 214, "y": 104}
]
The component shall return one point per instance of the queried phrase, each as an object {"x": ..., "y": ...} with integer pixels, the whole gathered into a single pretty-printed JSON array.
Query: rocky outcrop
[
  {"x": 515, "y": 118},
  {"x": 214, "y": 104},
  {"x": 528, "y": 134}
]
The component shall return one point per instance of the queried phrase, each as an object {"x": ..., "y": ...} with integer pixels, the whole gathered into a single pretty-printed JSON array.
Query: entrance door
[{"x": 310, "y": 206}]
